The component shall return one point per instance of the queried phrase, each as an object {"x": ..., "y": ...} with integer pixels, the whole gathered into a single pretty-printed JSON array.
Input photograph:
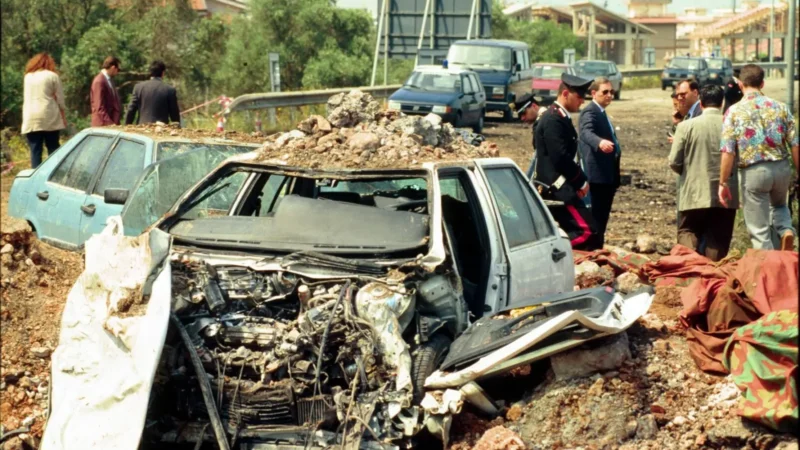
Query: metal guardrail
[{"x": 320, "y": 97}]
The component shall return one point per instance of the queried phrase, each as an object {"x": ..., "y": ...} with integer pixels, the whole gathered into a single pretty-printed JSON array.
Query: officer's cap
[
  {"x": 524, "y": 102},
  {"x": 576, "y": 83}
]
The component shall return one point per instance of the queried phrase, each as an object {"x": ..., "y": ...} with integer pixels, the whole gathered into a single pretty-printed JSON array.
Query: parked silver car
[{"x": 592, "y": 69}]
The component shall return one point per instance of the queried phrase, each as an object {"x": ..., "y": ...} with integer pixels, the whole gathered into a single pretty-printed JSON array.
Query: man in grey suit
[
  {"x": 695, "y": 157},
  {"x": 154, "y": 100}
]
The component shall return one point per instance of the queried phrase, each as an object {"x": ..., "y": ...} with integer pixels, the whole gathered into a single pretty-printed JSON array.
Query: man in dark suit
[
  {"x": 155, "y": 100},
  {"x": 733, "y": 91},
  {"x": 106, "y": 107},
  {"x": 688, "y": 93},
  {"x": 601, "y": 152},
  {"x": 556, "y": 143}
]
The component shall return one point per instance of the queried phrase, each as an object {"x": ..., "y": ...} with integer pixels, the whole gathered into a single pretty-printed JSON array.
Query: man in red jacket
[{"x": 106, "y": 107}]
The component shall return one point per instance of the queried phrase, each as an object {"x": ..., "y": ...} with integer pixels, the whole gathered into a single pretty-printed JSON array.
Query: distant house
[{"x": 219, "y": 7}]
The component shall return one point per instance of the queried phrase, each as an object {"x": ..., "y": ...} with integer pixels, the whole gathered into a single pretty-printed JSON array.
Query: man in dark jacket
[
  {"x": 556, "y": 143},
  {"x": 733, "y": 91},
  {"x": 527, "y": 108},
  {"x": 600, "y": 151},
  {"x": 154, "y": 100}
]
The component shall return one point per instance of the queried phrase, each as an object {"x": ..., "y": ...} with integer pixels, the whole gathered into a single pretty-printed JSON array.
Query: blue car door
[
  {"x": 59, "y": 204},
  {"x": 127, "y": 160}
]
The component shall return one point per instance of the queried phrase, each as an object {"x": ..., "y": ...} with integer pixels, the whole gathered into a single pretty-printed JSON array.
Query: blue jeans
[{"x": 37, "y": 140}]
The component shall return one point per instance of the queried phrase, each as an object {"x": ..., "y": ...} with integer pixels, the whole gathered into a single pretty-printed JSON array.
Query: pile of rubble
[
  {"x": 357, "y": 133},
  {"x": 35, "y": 280}
]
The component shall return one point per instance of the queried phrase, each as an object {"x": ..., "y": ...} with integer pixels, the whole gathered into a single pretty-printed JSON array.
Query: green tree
[{"x": 547, "y": 39}]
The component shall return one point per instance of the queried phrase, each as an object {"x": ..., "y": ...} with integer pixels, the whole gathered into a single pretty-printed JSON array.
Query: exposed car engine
[{"x": 297, "y": 360}]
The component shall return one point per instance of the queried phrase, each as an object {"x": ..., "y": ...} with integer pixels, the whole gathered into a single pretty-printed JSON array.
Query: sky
[{"x": 617, "y": 6}]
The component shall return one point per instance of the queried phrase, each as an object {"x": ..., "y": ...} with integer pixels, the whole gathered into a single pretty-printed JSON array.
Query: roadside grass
[
  {"x": 14, "y": 150},
  {"x": 648, "y": 82},
  {"x": 741, "y": 238}
]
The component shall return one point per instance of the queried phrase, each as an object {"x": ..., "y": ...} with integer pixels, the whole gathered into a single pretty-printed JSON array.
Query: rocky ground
[{"x": 656, "y": 398}]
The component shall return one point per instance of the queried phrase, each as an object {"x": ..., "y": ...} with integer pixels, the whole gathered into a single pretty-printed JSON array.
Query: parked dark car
[
  {"x": 504, "y": 68},
  {"x": 593, "y": 69},
  {"x": 547, "y": 78},
  {"x": 456, "y": 95},
  {"x": 720, "y": 70},
  {"x": 681, "y": 68}
]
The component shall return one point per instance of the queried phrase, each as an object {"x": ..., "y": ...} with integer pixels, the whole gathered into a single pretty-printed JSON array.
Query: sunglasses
[
  {"x": 607, "y": 91},
  {"x": 681, "y": 95}
]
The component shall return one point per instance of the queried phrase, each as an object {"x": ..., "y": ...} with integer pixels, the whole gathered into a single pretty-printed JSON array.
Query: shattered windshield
[
  {"x": 259, "y": 209},
  {"x": 168, "y": 149},
  {"x": 162, "y": 183},
  {"x": 479, "y": 56}
]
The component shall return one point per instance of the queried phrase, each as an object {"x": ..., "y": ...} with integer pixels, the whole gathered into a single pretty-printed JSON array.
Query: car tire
[
  {"x": 507, "y": 115},
  {"x": 459, "y": 120},
  {"x": 478, "y": 128},
  {"x": 663, "y": 87},
  {"x": 425, "y": 360},
  {"x": 618, "y": 93}
]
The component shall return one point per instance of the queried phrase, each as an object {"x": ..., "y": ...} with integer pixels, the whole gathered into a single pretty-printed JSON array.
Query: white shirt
[{"x": 563, "y": 109}]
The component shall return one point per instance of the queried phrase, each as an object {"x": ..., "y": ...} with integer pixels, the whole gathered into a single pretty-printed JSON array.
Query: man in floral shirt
[{"x": 761, "y": 132}]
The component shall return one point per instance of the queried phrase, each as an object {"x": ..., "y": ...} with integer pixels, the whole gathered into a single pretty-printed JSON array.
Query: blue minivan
[{"x": 504, "y": 68}]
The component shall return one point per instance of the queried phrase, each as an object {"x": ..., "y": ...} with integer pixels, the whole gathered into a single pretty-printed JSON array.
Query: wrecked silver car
[{"x": 278, "y": 307}]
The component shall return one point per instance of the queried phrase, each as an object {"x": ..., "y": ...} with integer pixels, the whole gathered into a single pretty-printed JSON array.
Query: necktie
[{"x": 617, "y": 149}]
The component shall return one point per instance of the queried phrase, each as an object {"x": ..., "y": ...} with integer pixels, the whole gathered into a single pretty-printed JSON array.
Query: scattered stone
[
  {"x": 40, "y": 352},
  {"x": 647, "y": 428},
  {"x": 364, "y": 141},
  {"x": 657, "y": 409},
  {"x": 652, "y": 322},
  {"x": 514, "y": 413},
  {"x": 729, "y": 432},
  {"x": 679, "y": 420},
  {"x": 646, "y": 244},
  {"x": 499, "y": 438},
  {"x": 628, "y": 282},
  {"x": 8, "y": 248},
  {"x": 602, "y": 355}
]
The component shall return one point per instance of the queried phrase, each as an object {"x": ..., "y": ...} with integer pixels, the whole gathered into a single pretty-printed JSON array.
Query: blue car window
[
  {"x": 77, "y": 169},
  {"x": 124, "y": 166}
]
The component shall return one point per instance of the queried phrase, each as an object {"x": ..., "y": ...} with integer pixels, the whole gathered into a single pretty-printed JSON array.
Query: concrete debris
[
  {"x": 646, "y": 428},
  {"x": 40, "y": 352},
  {"x": 628, "y": 282},
  {"x": 606, "y": 354},
  {"x": 500, "y": 438},
  {"x": 357, "y": 133},
  {"x": 646, "y": 244}
]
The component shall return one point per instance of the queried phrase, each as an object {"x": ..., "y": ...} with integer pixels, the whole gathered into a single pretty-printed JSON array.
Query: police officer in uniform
[
  {"x": 528, "y": 111},
  {"x": 556, "y": 143}
]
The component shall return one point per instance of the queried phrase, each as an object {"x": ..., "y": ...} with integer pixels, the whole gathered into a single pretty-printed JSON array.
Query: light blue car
[{"x": 68, "y": 197}]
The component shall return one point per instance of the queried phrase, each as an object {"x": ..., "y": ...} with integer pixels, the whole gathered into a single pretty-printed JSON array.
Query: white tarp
[
  {"x": 104, "y": 365},
  {"x": 621, "y": 314}
]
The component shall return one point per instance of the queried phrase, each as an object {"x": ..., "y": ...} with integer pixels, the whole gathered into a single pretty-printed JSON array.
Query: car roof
[
  {"x": 595, "y": 61},
  {"x": 492, "y": 43},
  {"x": 252, "y": 159},
  {"x": 690, "y": 57},
  {"x": 441, "y": 70},
  {"x": 551, "y": 64},
  {"x": 714, "y": 57},
  {"x": 166, "y": 133}
]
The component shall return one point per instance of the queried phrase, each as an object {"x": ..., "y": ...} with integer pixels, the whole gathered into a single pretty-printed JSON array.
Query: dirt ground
[{"x": 658, "y": 399}]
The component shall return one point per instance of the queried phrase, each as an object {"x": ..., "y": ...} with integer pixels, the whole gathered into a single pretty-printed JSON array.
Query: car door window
[
  {"x": 123, "y": 167},
  {"x": 467, "y": 84},
  {"x": 78, "y": 168},
  {"x": 513, "y": 206},
  {"x": 476, "y": 83}
]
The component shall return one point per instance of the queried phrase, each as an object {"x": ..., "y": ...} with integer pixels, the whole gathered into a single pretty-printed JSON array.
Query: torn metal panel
[
  {"x": 105, "y": 363},
  {"x": 618, "y": 317}
]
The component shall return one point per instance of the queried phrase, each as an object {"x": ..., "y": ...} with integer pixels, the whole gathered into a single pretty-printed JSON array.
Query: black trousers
[
  {"x": 37, "y": 140},
  {"x": 602, "y": 198},
  {"x": 714, "y": 225},
  {"x": 576, "y": 220}
]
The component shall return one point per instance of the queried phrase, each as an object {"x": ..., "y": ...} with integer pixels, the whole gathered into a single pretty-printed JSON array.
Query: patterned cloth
[
  {"x": 760, "y": 128},
  {"x": 762, "y": 359}
]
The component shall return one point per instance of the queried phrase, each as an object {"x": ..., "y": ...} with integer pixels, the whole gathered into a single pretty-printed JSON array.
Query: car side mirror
[
  {"x": 115, "y": 196},
  {"x": 518, "y": 67}
]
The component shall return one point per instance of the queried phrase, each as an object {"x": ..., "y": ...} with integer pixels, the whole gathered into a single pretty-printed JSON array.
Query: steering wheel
[{"x": 404, "y": 206}]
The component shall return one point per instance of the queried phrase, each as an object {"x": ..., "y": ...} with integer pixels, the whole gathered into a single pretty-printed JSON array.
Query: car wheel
[
  {"x": 507, "y": 115},
  {"x": 618, "y": 93},
  {"x": 663, "y": 87},
  {"x": 459, "y": 121},
  {"x": 478, "y": 128},
  {"x": 426, "y": 359}
]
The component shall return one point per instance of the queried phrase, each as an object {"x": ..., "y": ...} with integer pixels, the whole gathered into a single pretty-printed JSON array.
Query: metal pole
[
  {"x": 422, "y": 31},
  {"x": 771, "y": 29},
  {"x": 377, "y": 45},
  {"x": 790, "y": 55},
  {"x": 386, "y": 44},
  {"x": 471, "y": 19},
  {"x": 433, "y": 22}
]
